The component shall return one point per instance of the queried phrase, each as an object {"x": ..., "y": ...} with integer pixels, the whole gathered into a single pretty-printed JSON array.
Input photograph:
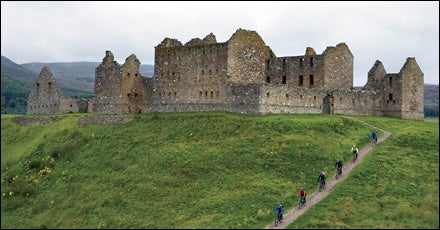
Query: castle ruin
[{"x": 243, "y": 75}]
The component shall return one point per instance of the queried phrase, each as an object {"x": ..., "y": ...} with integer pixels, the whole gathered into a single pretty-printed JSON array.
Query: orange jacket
[{"x": 302, "y": 192}]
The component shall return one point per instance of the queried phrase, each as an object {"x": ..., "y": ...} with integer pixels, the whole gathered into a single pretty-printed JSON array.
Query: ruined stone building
[
  {"x": 46, "y": 97},
  {"x": 244, "y": 75}
]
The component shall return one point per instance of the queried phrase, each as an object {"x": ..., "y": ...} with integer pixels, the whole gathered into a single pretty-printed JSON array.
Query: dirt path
[{"x": 318, "y": 196}]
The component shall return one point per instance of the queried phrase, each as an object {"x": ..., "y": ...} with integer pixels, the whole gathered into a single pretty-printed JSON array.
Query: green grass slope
[
  {"x": 212, "y": 170},
  {"x": 395, "y": 187}
]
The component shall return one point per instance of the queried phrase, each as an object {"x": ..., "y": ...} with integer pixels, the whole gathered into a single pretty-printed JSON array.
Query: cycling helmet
[{"x": 302, "y": 188}]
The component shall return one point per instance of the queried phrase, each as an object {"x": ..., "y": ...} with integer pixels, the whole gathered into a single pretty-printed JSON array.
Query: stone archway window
[
  {"x": 267, "y": 79},
  {"x": 311, "y": 80},
  {"x": 267, "y": 64},
  {"x": 311, "y": 61},
  {"x": 301, "y": 80},
  {"x": 284, "y": 79},
  {"x": 390, "y": 96}
]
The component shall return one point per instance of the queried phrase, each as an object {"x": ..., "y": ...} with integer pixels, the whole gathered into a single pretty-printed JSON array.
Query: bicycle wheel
[
  {"x": 277, "y": 221},
  {"x": 300, "y": 204},
  {"x": 321, "y": 186}
]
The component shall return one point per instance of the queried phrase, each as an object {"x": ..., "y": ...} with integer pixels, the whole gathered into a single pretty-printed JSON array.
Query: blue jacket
[
  {"x": 321, "y": 177},
  {"x": 278, "y": 209},
  {"x": 339, "y": 164},
  {"x": 373, "y": 135}
]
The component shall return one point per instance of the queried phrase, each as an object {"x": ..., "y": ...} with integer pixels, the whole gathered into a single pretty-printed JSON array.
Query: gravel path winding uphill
[{"x": 317, "y": 196}]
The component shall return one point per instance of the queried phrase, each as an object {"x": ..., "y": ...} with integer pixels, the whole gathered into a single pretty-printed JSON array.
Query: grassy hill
[
  {"x": 215, "y": 170},
  {"x": 11, "y": 68},
  {"x": 431, "y": 96},
  {"x": 14, "y": 94}
]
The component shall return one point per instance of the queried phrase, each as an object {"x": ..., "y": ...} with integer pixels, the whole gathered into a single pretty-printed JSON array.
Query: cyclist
[
  {"x": 339, "y": 165},
  {"x": 355, "y": 151},
  {"x": 279, "y": 211},
  {"x": 322, "y": 177},
  {"x": 302, "y": 194},
  {"x": 374, "y": 137}
]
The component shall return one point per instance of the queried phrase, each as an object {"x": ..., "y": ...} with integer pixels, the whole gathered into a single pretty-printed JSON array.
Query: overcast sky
[{"x": 83, "y": 31}]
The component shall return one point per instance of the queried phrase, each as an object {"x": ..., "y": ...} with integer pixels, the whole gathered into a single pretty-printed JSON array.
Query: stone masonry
[
  {"x": 46, "y": 97},
  {"x": 244, "y": 75}
]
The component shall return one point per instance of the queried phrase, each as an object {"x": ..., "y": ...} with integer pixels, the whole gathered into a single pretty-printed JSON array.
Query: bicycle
[
  {"x": 302, "y": 202},
  {"x": 321, "y": 186},
  {"x": 374, "y": 141},
  {"x": 338, "y": 173},
  {"x": 355, "y": 156},
  {"x": 278, "y": 219}
]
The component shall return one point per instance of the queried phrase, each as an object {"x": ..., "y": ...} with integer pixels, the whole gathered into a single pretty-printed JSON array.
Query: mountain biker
[
  {"x": 322, "y": 177},
  {"x": 355, "y": 150},
  {"x": 279, "y": 211},
  {"x": 302, "y": 193},
  {"x": 374, "y": 136},
  {"x": 339, "y": 165}
]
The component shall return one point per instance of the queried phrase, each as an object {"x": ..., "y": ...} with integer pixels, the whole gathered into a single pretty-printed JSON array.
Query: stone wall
[
  {"x": 46, "y": 97},
  {"x": 190, "y": 77},
  {"x": 338, "y": 67},
  {"x": 241, "y": 75},
  {"x": 107, "y": 88}
]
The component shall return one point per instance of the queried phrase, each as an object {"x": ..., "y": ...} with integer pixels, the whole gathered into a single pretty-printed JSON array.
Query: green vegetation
[
  {"x": 214, "y": 170},
  {"x": 15, "y": 92},
  {"x": 396, "y": 186}
]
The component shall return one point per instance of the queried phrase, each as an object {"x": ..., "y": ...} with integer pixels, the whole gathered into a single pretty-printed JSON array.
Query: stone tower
[{"x": 118, "y": 89}]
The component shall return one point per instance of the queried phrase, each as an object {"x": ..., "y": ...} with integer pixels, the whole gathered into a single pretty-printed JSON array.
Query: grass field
[{"x": 215, "y": 170}]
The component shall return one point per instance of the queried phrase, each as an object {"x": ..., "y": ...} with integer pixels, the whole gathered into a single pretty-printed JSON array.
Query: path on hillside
[{"x": 317, "y": 196}]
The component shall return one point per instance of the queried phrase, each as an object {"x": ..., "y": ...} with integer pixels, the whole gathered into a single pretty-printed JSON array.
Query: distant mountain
[
  {"x": 431, "y": 96},
  {"x": 13, "y": 69}
]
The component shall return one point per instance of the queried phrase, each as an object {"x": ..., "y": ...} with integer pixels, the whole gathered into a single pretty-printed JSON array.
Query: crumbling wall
[{"x": 46, "y": 97}]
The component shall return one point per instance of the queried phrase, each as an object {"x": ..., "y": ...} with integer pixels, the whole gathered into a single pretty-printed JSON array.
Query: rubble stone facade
[
  {"x": 46, "y": 97},
  {"x": 244, "y": 75}
]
